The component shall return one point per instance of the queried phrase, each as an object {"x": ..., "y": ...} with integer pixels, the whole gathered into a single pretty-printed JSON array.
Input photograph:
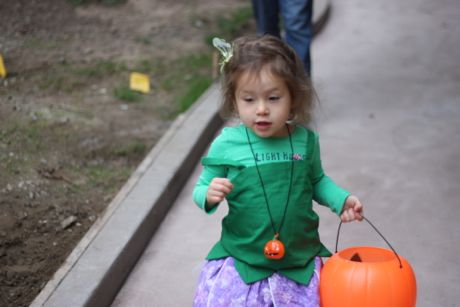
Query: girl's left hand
[{"x": 352, "y": 210}]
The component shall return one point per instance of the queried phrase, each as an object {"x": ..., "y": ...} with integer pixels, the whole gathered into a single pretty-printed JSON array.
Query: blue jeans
[{"x": 297, "y": 20}]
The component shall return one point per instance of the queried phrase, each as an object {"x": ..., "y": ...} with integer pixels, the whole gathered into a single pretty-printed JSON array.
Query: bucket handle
[{"x": 375, "y": 228}]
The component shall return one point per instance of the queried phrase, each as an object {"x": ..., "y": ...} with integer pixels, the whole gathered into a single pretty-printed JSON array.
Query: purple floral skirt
[{"x": 220, "y": 285}]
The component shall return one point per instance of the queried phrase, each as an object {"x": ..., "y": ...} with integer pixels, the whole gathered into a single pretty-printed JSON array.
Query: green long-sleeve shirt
[
  {"x": 232, "y": 144},
  {"x": 229, "y": 154}
]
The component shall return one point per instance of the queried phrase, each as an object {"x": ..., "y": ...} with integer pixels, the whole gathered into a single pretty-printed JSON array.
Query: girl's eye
[
  {"x": 248, "y": 99},
  {"x": 274, "y": 98}
]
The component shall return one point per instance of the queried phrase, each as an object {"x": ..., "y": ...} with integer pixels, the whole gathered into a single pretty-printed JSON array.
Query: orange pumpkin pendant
[{"x": 274, "y": 249}]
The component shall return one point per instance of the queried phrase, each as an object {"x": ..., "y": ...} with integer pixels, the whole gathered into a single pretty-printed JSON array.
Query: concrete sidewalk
[{"x": 387, "y": 74}]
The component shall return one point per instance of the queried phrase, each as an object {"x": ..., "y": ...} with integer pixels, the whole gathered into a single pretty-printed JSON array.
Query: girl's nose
[{"x": 262, "y": 108}]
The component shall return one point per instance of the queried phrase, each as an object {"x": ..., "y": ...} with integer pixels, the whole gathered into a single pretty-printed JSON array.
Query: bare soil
[{"x": 67, "y": 141}]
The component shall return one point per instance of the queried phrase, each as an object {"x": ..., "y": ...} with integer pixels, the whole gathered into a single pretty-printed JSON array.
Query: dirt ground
[{"x": 68, "y": 139}]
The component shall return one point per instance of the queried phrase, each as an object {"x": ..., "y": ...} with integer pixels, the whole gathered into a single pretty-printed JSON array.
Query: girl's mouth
[{"x": 263, "y": 125}]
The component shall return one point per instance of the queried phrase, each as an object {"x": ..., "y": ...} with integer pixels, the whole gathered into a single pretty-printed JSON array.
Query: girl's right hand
[{"x": 218, "y": 189}]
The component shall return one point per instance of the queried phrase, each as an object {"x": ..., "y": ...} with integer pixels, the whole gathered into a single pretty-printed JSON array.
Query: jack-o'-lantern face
[{"x": 274, "y": 249}]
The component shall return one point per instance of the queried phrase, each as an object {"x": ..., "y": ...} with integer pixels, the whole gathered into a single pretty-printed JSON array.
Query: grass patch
[
  {"x": 124, "y": 93},
  {"x": 60, "y": 83},
  {"x": 184, "y": 70},
  {"x": 147, "y": 66},
  {"x": 107, "y": 176},
  {"x": 99, "y": 69},
  {"x": 189, "y": 77},
  {"x": 68, "y": 78},
  {"x": 26, "y": 142},
  {"x": 37, "y": 43},
  {"x": 112, "y": 2},
  {"x": 144, "y": 40},
  {"x": 230, "y": 27},
  {"x": 76, "y": 2},
  {"x": 194, "y": 90},
  {"x": 99, "y": 173},
  {"x": 133, "y": 149},
  {"x": 105, "y": 2},
  {"x": 186, "y": 77},
  {"x": 27, "y": 138}
]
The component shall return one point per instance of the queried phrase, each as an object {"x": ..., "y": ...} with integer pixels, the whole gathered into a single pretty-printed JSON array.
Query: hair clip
[{"x": 225, "y": 49}]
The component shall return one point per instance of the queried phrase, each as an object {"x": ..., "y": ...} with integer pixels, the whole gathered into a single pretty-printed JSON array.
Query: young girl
[{"x": 268, "y": 168}]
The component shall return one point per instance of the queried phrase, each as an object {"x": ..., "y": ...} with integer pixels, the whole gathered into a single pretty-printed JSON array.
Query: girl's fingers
[
  {"x": 222, "y": 184},
  {"x": 216, "y": 197},
  {"x": 227, "y": 184},
  {"x": 350, "y": 215},
  {"x": 217, "y": 193},
  {"x": 223, "y": 188},
  {"x": 345, "y": 216},
  {"x": 358, "y": 211},
  {"x": 218, "y": 190},
  {"x": 353, "y": 209},
  {"x": 359, "y": 215}
]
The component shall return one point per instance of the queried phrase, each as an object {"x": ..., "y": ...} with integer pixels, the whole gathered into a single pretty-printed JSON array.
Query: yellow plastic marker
[
  {"x": 139, "y": 82},
  {"x": 2, "y": 68}
]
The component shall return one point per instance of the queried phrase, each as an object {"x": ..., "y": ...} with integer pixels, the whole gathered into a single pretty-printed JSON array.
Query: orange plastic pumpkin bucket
[{"x": 367, "y": 277}]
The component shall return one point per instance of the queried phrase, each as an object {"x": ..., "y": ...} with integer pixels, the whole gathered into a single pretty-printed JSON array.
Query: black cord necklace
[{"x": 274, "y": 249}]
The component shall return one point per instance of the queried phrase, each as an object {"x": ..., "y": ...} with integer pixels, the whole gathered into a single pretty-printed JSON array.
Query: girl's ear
[{"x": 292, "y": 115}]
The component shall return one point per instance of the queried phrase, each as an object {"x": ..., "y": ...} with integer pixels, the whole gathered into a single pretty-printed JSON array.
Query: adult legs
[
  {"x": 266, "y": 13},
  {"x": 297, "y": 19}
]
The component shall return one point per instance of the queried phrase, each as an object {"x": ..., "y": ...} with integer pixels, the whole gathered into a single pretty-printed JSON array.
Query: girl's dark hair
[{"x": 251, "y": 54}]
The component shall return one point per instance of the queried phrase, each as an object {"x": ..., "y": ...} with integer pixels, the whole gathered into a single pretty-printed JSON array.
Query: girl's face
[{"x": 263, "y": 103}]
